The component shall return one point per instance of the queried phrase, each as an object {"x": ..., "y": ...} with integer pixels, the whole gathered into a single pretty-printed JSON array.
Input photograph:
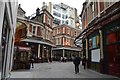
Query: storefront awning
[
  {"x": 66, "y": 48},
  {"x": 38, "y": 41}
]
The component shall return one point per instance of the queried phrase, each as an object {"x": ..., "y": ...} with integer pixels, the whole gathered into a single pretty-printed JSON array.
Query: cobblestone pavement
[{"x": 57, "y": 70}]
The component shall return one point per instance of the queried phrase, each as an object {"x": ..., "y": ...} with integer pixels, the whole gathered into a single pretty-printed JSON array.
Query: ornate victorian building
[{"x": 63, "y": 38}]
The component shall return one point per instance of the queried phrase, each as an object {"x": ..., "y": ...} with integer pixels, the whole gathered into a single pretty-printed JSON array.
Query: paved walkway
[{"x": 57, "y": 70}]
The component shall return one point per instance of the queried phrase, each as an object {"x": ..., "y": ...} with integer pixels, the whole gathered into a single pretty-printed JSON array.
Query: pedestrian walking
[
  {"x": 84, "y": 62},
  {"x": 31, "y": 61},
  {"x": 65, "y": 59},
  {"x": 61, "y": 58},
  {"x": 76, "y": 62}
]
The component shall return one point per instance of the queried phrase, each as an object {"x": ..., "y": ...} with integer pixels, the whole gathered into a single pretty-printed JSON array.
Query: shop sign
[{"x": 24, "y": 48}]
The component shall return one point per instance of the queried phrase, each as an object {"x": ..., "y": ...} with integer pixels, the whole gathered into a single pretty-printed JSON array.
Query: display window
[
  {"x": 90, "y": 43},
  {"x": 97, "y": 41},
  {"x": 94, "y": 42}
]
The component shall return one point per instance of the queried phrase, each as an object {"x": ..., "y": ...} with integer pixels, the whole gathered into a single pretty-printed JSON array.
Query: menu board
[{"x": 95, "y": 55}]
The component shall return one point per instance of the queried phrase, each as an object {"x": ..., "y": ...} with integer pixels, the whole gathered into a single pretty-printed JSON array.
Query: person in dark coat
[
  {"x": 76, "y": 62},
  {"x": 84, "y": 62},
  {"x": 32, "y": 61}
]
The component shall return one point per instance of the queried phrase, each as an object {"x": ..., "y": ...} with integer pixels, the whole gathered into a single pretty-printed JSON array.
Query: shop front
[
  {"x": 41, "y": 50},
  {"x": 21, "y": 59},
  {"x": 69, "y": 53},
  {"x": 94, "y": 51}
]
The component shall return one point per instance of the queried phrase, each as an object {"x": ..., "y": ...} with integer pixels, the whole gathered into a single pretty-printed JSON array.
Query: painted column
[
  {"x": 101, "y": 44},
  {"x": 101, "y": 52},
  {"x": 63, "y": 52},
  {"x": 38, "y": 51}
]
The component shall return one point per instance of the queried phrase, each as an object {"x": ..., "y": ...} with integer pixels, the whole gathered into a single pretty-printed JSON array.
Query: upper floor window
[
  {"x": 62, "y": 22},
  {"x": 58, "y": 41},
  {"x": 56, "y": 7},
  {"x": 56, "y": 14},
  {"x": 67, "y": 22},
  {"x": 68, "y": 31},
  {"x": 47, "y": 34},
  {"x": 48, "y": 20},
  {"x": 57, "y": 21},
  {"x": 75, "y": 33},
  {"x": 67, "y": 41},
  {"x": 33, "y": 30},
  {"x": 64, "y": 16},
  {"x": 58, "y": 31}
]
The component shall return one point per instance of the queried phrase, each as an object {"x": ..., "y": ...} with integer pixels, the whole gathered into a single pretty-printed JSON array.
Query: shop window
[
  {"x": 97, "y": 41},
  {"x": 23, "y": 56},
  {"x": 94, "y": 42},
  {"x": 90, "y": 43}
]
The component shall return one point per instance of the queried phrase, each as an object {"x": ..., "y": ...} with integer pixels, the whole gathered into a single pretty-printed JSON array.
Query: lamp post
[{"x": 77, "y": 24}]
